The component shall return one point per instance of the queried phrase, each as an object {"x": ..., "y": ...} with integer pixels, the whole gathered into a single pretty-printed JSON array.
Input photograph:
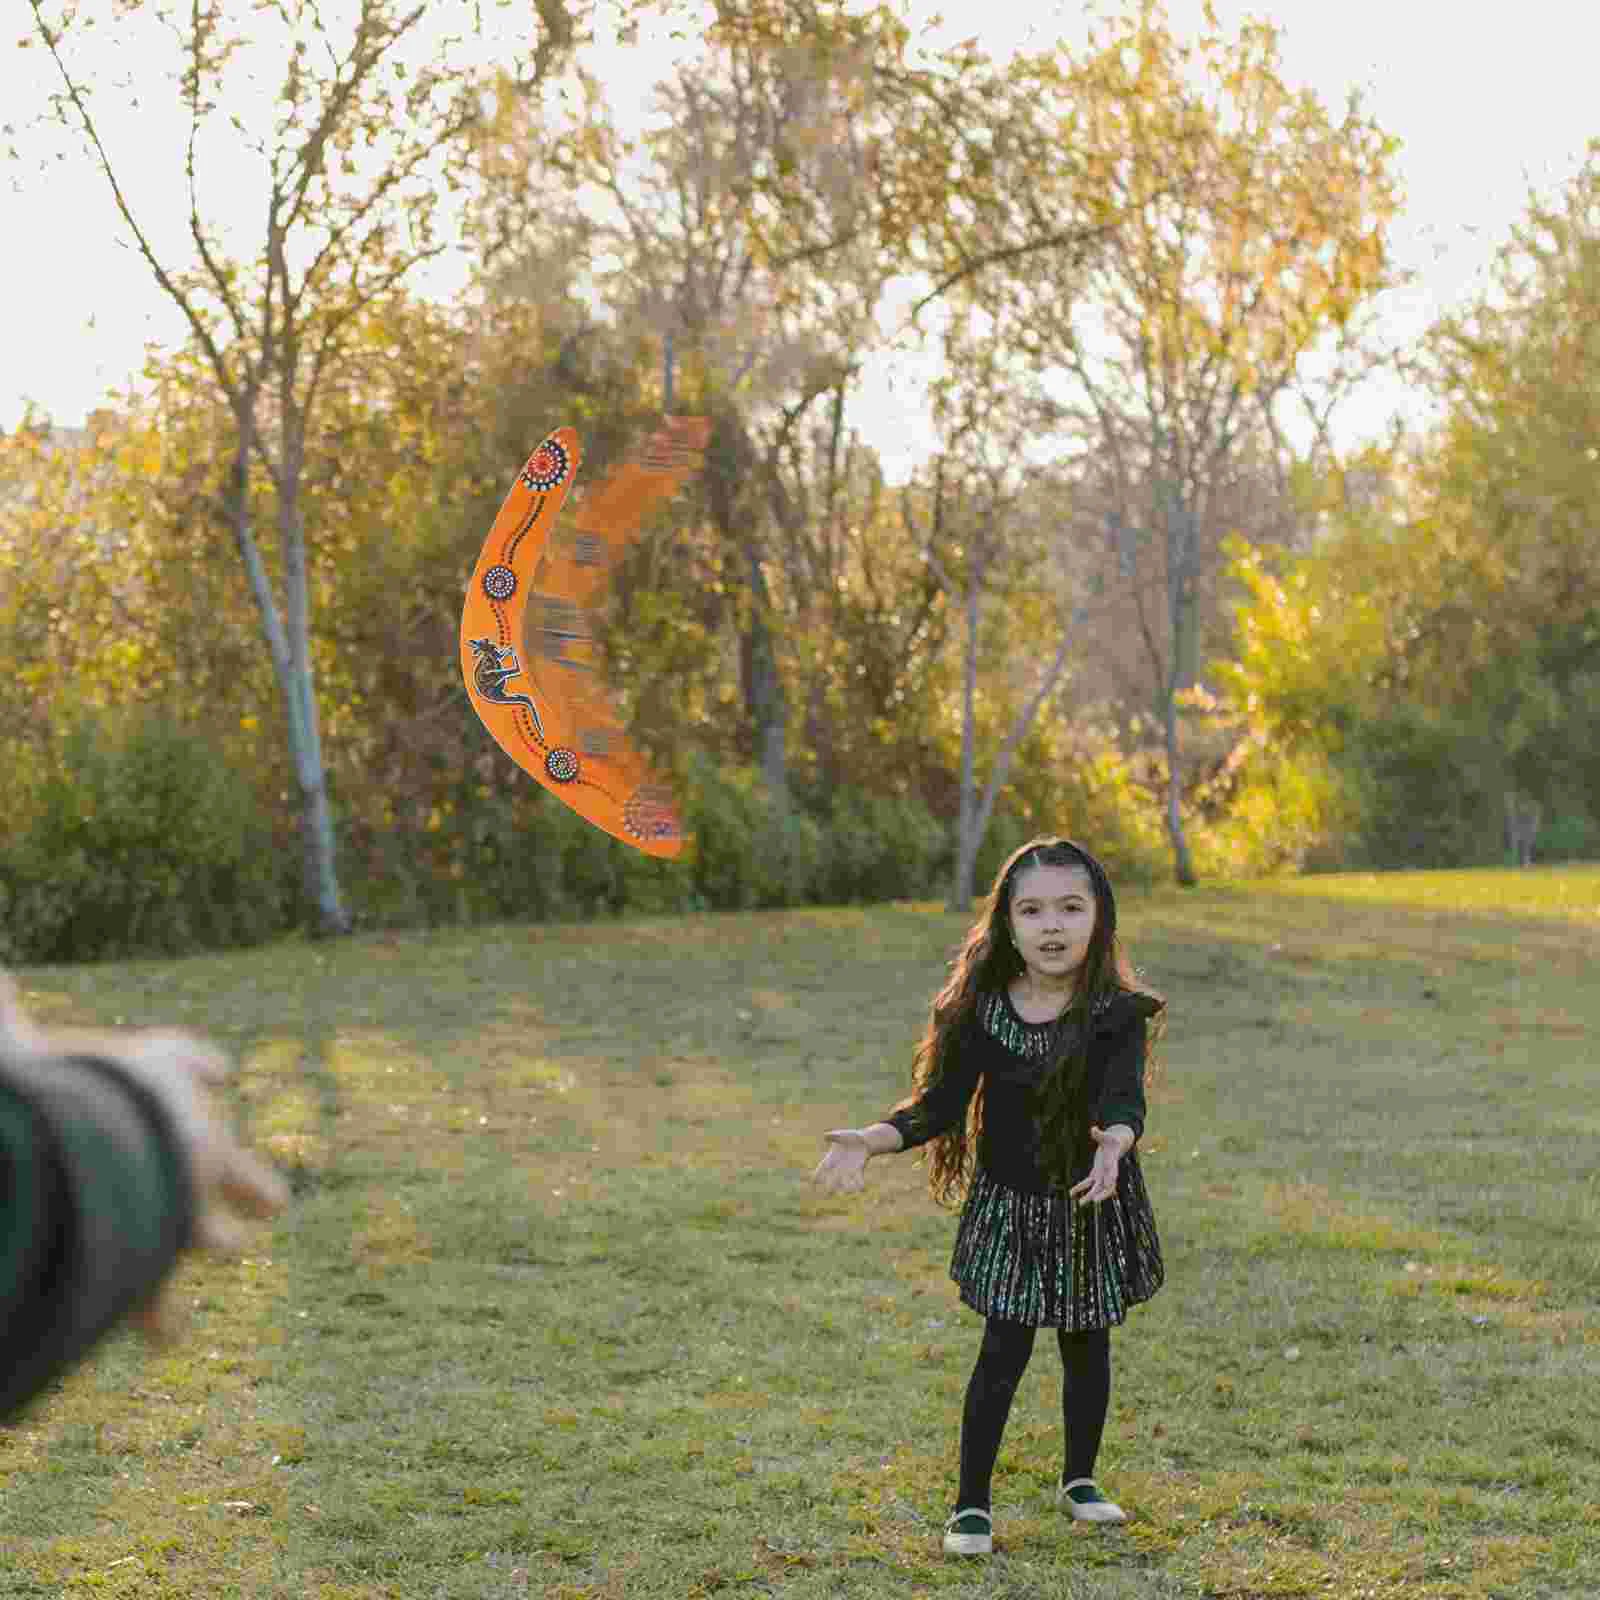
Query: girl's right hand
[{"x": 844, "y": 1168}]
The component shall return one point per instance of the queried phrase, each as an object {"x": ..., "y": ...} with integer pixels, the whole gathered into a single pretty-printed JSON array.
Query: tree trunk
[
  {"x": 1183, "y": 618},
  {"x": 1183, "y": 865},
  {"x": 730, "y": 460},
  {"x": 820, "y": 745},
  {"x": 291, "y": 667},
  {"x": 968, "y": 837},
  {"x": 319, "y": 860},
  {"x": 1019, "y": 731},
  {"x": 1523, "y": 815},
  {"x": 764, "y": 697}
]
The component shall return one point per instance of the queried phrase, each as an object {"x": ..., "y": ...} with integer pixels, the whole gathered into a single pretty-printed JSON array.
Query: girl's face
[{"x": 1052, "y": 918}]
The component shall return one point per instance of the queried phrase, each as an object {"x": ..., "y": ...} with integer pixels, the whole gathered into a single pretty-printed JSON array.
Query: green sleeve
[
  {"x": 1121, "y": 1098},
  {"x": 96, "y": 1208},
  {"x": 943, "y": 1104}
]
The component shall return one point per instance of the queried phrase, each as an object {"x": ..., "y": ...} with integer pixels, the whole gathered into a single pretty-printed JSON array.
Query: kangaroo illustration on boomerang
[{"x": 494, "y": 668}]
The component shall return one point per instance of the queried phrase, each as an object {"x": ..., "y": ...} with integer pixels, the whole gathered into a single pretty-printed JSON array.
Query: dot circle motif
[
  {"x": 546, "y": 467},
  {"x": 499, "y": 583}
]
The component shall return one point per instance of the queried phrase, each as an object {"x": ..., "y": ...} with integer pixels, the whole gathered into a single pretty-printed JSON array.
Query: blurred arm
[{"x": 100, "y": 1205}]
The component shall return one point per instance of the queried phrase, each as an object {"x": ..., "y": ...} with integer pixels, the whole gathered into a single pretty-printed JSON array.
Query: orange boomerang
[{"x": 530, "y": 651}]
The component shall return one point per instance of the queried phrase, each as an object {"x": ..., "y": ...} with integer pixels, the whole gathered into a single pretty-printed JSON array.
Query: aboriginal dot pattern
[
  {"x": 562, "y": 764},
  {"x": 547, "y": 467},
  {"x": 499, "y": 583},
  {"x": 648, "y": 815}
]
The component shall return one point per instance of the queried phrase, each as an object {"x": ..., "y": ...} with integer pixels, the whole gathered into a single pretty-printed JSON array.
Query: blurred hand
[
  {"x": 229, "y": 1184},
  {"x": 1109, "y": 1148},
  {"x": 844, "y": 1168}
]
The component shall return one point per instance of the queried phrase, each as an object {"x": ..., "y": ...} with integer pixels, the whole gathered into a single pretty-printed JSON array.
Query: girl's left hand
[{"x": 1110, "y": 1145}]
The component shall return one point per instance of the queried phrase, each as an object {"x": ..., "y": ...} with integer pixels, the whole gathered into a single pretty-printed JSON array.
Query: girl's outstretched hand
[
  {"x": 1110, "y": 1145},
  {"x": 844, "y": 1168}
]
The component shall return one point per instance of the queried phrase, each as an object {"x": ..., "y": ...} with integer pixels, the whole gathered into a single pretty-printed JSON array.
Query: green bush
[
  {"x": 880, "y": 847},
  {"x": 1418, "y": 800},
  {"x": 1287, "y": 811},
  {"x": 505, "y": 852},
  {"x": 750, "y": 850},
  {"x": 1568, "y": 838},
  {"x": 134, "y": 837},
  {"x": 1087, "y": 794},
  {"x": 510, "y": 852}
]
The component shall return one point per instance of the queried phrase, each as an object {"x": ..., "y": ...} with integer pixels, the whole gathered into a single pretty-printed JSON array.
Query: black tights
[{"x": 1003, "y": 1358}]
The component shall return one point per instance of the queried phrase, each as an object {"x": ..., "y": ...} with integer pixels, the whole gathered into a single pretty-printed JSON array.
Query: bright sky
[{"x": 1487, "y": 100}]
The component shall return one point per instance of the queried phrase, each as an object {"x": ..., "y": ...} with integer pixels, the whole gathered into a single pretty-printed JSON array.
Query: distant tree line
[{"x": 1128, "y": 598}]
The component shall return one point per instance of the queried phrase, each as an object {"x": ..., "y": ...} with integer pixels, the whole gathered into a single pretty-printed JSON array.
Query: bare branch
[
  {"x": 165, "y": 279},
  {"x": 192, "y": 93},
  {"x": 1020, "y": 725}
]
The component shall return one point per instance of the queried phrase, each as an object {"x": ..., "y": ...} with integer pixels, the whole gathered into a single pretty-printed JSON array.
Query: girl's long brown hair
[{"x": 987, "y": 961}]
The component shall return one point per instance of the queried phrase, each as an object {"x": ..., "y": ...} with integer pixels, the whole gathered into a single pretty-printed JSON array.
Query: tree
[
  {"x": 367, "y": 126},
  {"x": 68, "y": 623},
  {"x": 1249, "y": 225},
  {"x": 1512, "y": 622},
  {"x": 110, "y": 567},
  {"x": 752, "y": 342},
  {"x": 988, "y": 510},
  {"x": 802, "y": 160},
  {"x": 866, "y": 619},
  {"x": 957, "y": 162}
]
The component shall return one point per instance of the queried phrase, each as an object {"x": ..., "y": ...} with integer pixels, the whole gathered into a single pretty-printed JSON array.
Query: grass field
[{"x": 555, "y": 1311}]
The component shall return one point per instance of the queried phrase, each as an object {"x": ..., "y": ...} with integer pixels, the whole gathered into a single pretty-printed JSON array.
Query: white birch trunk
[{"x": 318, "y": 844}]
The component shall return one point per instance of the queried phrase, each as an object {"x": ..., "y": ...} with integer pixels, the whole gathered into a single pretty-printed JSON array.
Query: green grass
[
  {"x": 1571, "y": 893},
  {"x": 555, "y": 1311}
]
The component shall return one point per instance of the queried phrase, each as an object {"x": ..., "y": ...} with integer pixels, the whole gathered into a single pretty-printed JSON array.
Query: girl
[{"x": 1029, "y": 1087}]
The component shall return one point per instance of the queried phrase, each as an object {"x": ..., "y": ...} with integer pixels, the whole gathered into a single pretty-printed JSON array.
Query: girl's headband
[{"x": 1090, "y": 863}]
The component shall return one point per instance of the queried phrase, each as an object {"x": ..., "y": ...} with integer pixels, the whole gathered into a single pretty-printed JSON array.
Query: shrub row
[
  {"x": 514, "y": 853},
  {"x": 137, "y": 838},
  {"x": 134, "y": 839}
]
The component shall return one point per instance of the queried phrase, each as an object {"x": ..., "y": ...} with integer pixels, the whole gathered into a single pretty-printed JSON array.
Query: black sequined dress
[{"x": 1025, "y": 1251}]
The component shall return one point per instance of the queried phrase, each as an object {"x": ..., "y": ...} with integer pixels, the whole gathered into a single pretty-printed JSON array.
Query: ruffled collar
[{"x": 999, "y": 1018}]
